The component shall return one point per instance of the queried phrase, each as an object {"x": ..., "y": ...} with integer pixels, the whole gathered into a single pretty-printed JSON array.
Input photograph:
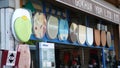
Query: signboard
[
  {"x": 47, "y": 55},
  {"x": 93, "y": 8},
  {"x": 9, "y": 58}
]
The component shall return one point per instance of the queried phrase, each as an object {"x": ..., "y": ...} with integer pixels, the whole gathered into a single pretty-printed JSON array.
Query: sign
[
  {"x": 47, "y": 55},
  {"x": 93, "y": 8},
  {"x": 11, "y": 58},
  {"x": 98, "y": 10},
  {"x": 83, "y": 4}
]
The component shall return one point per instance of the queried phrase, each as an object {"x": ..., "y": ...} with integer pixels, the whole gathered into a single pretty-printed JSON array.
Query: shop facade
[{"x": 59, "y": 34}]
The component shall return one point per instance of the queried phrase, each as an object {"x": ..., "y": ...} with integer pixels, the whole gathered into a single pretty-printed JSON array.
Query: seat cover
[
  {"x": 23, "y": 28},
  {"x": 52, "y": 27},
  {"x": 97, "y": 37},
  {"x": 109, "y": 40},
  {"x": 81, "y": 37},
  {"x": 103, "y": 38},
  {"x": 63, "y": 29},
  {"x": 19, "y": 13},
  {"x": 73, "y": 30},
  {"x": 25, "y": 57},
  {"x": 39, "y": 26},
  {"x": 89, "y": 36}
]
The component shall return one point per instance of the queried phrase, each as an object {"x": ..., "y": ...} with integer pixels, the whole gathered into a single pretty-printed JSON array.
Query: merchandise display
[
  {"x": 94, "y": 59},
  {"x": 23, "y": 28},
  {"x": 17, "y": 15},
  {"x": 66, "y": 58},
  {"x": 52, "y": 27},
  {"x": 69, "y": 58},
  {"x": 106, "y": 29},
  {"x": 103, "y": 38},
  {"x": 25, "y": 57},
  {"x": 39, "y": 26},
  {"x": 109, "y": 40},
  {"x": 63, "y": 29},
  {"x": 58, "y": 34},
  {"x": 81, "y": 35},
  {"x": 73, "y": 30},
  {"x": 99, "y": 26},
  {"x": 89, "y": 36},
  {"x": 97, "y": 37}
]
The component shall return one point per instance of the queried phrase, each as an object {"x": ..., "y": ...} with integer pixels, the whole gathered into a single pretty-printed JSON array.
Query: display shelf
[
  {"x": 67, "y": 43},
  {"x": 89, "y": 21}
]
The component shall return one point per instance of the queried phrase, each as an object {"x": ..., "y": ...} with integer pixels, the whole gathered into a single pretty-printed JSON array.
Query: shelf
[
  {"x": 89, "y": 20},
  {"x": 67, "y": 43}
]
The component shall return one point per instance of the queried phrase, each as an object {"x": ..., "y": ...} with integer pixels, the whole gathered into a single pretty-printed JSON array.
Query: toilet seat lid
[
  {"x": 23, "y": 28},
  {"x": 25, "y": 57},
  {"x": 109, "y": 40},
  {"x": 39, "y": 26},
  {"x": 63, "y": 29},
  {"x": 103, "y": 38},
  {"x": 89, "y": 38},
  {"x": 97, "y": 37},
  {"x": 52, "y": 27},
  {"x": 19, "y": 13},
  {"x": 73, "y": 30},
  {"x": 81, "y": 37}
]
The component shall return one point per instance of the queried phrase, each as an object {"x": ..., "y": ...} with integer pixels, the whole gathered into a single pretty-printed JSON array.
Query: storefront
[{"x": 61, "y": 34}]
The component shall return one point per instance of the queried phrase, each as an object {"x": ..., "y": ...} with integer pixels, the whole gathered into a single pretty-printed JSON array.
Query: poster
[{"x": 46, "y": 55}]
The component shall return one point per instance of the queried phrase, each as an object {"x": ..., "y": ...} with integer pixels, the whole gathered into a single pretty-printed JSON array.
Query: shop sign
[
  {"x": 108, "y": 14},
  {"x": 93, "y": 8},
  {"x": 83, "y": 4},
  {"x": 98, "y": 10}
]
